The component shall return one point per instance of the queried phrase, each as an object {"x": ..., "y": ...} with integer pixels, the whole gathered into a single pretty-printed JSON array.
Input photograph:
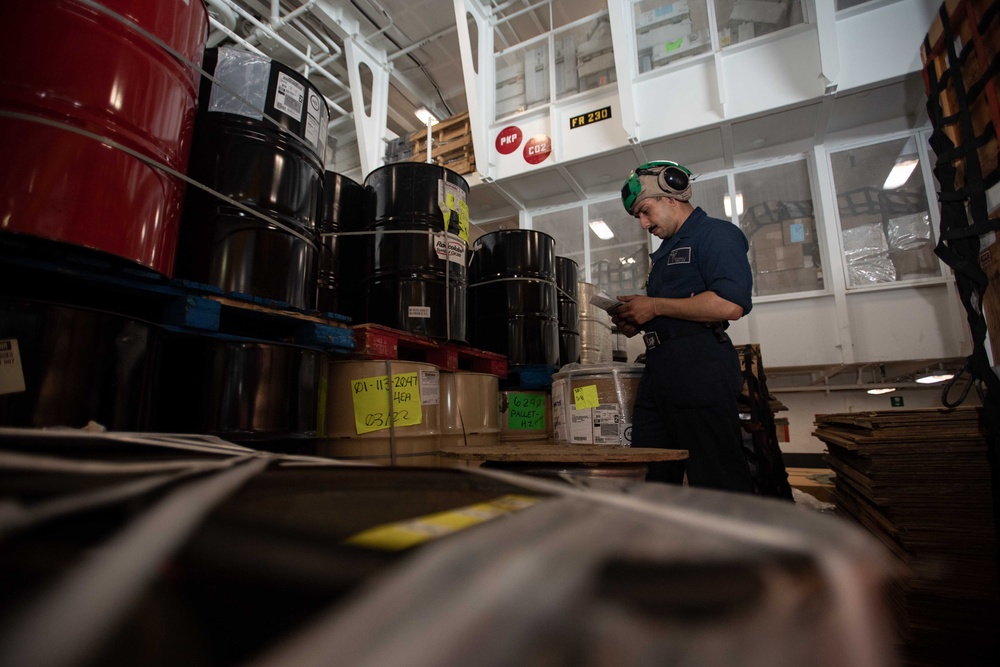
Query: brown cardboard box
[
  {"x": 799, "y": 230},
  {"x": 915, "y": 262},
  {"x": 785, "y": 282},
  {"x": 768, "y": 236},
  {"x": 780, "y": 258}
]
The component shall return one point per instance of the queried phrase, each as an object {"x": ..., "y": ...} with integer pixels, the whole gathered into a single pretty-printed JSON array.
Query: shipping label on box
[
  {"x": 799, "y": 230},
  {"x": 779, "y": 258},
  {"x": 914, "y": 262}
]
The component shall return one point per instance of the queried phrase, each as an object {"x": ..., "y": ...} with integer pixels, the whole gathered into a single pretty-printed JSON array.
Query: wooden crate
[{"x": 451, "y": 145}]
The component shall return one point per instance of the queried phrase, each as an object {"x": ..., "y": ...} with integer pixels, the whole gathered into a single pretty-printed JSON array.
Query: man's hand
[
  {"x": 627, "y": 329},
  {"x": 634, "y": 311}
]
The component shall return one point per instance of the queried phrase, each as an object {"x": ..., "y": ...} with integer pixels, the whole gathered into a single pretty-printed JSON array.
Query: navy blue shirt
[{"x": 705, "y": 254}]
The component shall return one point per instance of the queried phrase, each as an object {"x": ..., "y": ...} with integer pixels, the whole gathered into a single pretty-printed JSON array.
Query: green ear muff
[
  {"x": 671, "y": 178},
  {"x": 630, "y": 191}
]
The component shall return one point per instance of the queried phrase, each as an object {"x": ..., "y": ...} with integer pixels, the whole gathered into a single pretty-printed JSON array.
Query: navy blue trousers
[{"x": 687, "y": 399}]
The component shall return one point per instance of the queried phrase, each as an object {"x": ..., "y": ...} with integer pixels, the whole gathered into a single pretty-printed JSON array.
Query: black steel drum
[
  {"x": 76, "y": 366},
  {"x": 418, "y": 280},
  {"x": 240, "y": 391},
  {"x": 567, "y": 272},
  {"x": 513, "y": 297},
  {"x": 342, "y": 266},
  {"x": 276, "y": 170}
]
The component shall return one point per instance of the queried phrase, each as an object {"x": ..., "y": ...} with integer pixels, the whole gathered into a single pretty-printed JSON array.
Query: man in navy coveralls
[{"x": 699, "y": 281}]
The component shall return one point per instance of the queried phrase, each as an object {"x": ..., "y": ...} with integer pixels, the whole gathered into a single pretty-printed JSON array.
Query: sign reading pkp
[
  {"x": 537, "y": 149},
  {"x": 509, "y": 140}
]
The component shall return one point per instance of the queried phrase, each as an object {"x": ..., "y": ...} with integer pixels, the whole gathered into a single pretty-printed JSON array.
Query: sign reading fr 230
[{"x": 589, "y": 117}]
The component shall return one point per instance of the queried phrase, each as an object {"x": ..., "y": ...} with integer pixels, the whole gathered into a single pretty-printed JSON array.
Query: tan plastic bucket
[{"x": 352, "y": 406}]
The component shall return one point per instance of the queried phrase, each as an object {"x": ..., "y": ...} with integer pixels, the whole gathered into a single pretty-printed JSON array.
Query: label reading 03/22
[{"x": 589, "y": 117}]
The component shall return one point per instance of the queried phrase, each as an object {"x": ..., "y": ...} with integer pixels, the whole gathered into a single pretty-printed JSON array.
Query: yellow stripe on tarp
[{"x": 409, "y": 533}]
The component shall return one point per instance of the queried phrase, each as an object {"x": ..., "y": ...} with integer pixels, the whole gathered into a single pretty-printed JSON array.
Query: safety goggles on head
[{"x": 672, "y": 179}]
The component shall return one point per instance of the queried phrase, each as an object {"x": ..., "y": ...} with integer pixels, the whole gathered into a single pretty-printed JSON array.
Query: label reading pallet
[
  {"x": 586, "y": 397},
  {"x": 289, "y": 96},
  {"x": 371, "y": 402},
  {"x": 525, "y": 412},
  {"x": 11, "y": 372}
]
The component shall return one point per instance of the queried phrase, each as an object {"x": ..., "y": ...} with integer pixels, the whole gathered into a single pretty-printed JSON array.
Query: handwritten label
[
  {"x": 526, "y": 412},
  {"x": 371, "y": 402},
  {"x": 586, "y": 397}
]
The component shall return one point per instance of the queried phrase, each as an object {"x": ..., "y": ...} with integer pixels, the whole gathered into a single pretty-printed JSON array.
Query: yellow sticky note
[
  {"x": 586, "y": 397},
  {"x": 371, "y": 402},
  {"x": 449, "y": 200},
  {"x": 463, "y": 220}
]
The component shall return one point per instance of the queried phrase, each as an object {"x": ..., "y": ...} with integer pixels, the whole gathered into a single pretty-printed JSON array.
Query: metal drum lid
[{"x": 513, "y": 253}]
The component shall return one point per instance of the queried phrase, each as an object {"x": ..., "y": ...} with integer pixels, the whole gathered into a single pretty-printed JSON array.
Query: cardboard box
[
  {"x": 915, "y": 262},
  {"x": 780, "y": 258},
  {"x": 909, "y": 231},
  {"x": 657, "y": 37},
  {"x": 665, "y": 13},
  {"x": 768, "y": 236},
  {"x": 785, "y": 282},
  {"x": 799, "y": 230}
]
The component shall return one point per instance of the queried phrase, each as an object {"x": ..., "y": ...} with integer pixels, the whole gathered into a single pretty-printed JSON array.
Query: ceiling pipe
[
  {"x": 232, "y": 35},
  {"x": 288, "y": 45}
]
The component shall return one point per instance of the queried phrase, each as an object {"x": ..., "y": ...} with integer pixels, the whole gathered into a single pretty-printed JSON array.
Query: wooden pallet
[
  {"x": 451, "y": 145},
  {"x": 58, "y": 273},
  {"x": 375, "y": 341}
]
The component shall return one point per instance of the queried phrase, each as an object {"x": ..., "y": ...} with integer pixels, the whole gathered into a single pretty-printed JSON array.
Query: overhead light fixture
[
  {"x": 933, "y": 379},
  {"x": 601, "y": 229},
  {"x": 728, "y": 205},
  {"x": 900, "y": 173},
  {"x": 425, "y": 116},
  {"x": 882, "y": 390}
]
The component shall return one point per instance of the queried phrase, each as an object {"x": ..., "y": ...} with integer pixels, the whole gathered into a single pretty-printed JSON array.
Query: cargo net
[
  {"x": 961, "y": 66},
  {"x": 763, "y": 454}
]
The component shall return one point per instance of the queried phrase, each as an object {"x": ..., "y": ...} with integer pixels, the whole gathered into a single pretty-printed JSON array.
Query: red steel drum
[{"x": 65, "y": 61}]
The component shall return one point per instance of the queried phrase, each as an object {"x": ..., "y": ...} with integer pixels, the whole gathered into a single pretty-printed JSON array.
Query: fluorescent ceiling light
[
  {"x": 425, "y": 116},
  {"x": 728, "y": 205},
  {"x": 601, "y": 229},
  {"x": 900, "y": 173},
  {"x": 882, "y": 390},
  {"x": 932, "y": 379}
]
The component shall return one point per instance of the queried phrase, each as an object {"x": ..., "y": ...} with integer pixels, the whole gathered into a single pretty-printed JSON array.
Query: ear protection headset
[{"x": 672, "y": 179}]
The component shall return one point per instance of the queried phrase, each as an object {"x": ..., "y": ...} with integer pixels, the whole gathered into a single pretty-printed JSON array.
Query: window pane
[
  {"x": 740, "y": 20},
  {"x": 712, "y": 196},
  {"x": 584, "y": 58},
  {"x": 667, "y": 30},
  {"x": 566, "y": 227},
  {"x": 620, "y": 264},
  {"x": 884, "y": 222},
  {"x": 522, "y": 79},
  {"x": 778, "y": 221}
]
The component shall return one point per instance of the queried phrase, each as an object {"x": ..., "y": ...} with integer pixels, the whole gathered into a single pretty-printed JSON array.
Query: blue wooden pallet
[
  {"x": 533, "y": 376},
  {"x": 43, "y": 270}
]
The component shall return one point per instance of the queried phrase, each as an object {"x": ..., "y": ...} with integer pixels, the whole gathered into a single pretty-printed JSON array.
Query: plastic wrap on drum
[
  {"x": 595, "y": 328},
  {"x": 592, "y": 404}
]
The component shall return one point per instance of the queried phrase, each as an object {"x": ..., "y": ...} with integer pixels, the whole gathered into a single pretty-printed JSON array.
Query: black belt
[{"x": 661, "y": 331}]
